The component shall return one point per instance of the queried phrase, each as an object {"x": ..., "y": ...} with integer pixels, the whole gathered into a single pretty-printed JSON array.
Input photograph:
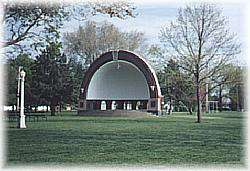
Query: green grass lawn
[{"x": 170, "y": 140}]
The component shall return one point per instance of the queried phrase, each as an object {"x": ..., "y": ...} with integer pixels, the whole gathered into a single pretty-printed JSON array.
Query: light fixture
[
  {"x": 152, "y": 87},
  {"x": 115, "y": 55},
  {"x": 82, "y": 90},
  {"x": 22, "y": 74}
]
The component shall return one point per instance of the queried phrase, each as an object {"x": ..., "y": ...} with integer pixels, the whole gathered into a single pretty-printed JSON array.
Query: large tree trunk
[
  {"x": 198, "y": 104},
  {"x": 190, "y": 109},
  {"x": 198, "y": 99},
  {"x": 53, "y": 110},
  {"x": 53, "y": 107}
]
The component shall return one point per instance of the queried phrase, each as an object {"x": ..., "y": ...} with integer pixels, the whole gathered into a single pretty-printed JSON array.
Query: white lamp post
[
  {"x": 22, "y": 116},
  {"x": 18, "y": 88}
]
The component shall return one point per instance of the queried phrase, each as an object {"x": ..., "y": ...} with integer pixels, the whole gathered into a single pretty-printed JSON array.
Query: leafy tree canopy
[{"x": 29, "y": 25}]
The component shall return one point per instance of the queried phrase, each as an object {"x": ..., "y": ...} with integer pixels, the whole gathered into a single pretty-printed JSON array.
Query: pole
[
  {"x": 22, "y": 116},
  {"x": 18, "y": 89}
]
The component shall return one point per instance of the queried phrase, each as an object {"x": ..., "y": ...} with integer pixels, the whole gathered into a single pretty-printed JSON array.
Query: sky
[
  {"x": 154, "y": 15},
  {"x": 149, "y": 20}
]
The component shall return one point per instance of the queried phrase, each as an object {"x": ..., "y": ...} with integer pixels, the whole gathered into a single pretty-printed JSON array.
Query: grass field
[{"x": 170, "y": 140}]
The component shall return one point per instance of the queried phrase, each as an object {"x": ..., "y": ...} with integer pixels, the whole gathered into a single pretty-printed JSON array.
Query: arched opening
[
  {"x": 138, "y": 105},
  {"x": 126, "y": 82},
  {"x": 129, "y": 106},
  {"x": 111, "y": 83},
  {"x": 103, "y": 105},
  {"x": 113, "y": 105}
]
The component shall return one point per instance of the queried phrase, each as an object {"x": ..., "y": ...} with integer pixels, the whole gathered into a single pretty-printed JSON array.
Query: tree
[
  {"x": 12, "y": 65},
  {"x": 201, "y": 44},
  {"x": 156, "y": 57},
  {"x": 53, "y": 79},
  {"x": 229, "y": 76},
  {"x": 93, "y": 39},
  {"x": 237, "y": 96},
  {"x": 28, "y": 23},
  {"x": 22, "y": 22},
  {"x": 77, "y": 72},
  {"x": 11, "y": 85},
  {"x": 239, "y": 84},
  {"x": 230, "y": 85},
  {"x": 178, "y": 86}
]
